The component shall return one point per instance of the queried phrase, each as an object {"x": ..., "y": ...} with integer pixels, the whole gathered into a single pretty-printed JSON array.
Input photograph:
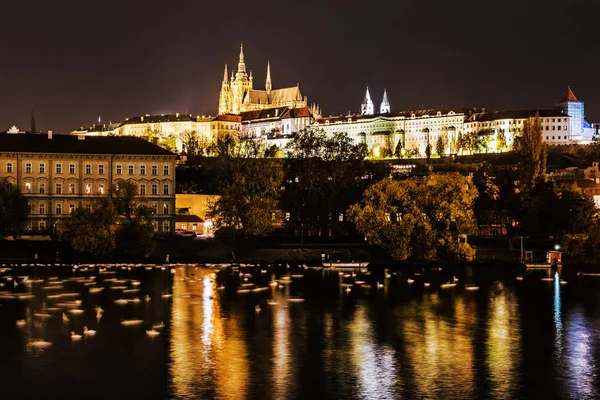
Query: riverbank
[{"x": 313, "y": 252}]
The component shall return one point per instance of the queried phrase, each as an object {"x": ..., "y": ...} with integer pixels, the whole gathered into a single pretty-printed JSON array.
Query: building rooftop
[
  {"x": 188, "y": 218},
  {"x": 40, "y": 143},
  {"x": 569, "y": 96},
  {"x": 515, "y": 114}
]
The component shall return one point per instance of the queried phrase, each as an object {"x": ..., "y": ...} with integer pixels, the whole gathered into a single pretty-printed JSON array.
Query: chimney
[
  {"x": 49, "y": 134},
  {"x": 80, "y": 137}
]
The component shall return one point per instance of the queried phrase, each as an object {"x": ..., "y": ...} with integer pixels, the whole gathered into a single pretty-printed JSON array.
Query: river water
[{"x": 318, "y": 334}]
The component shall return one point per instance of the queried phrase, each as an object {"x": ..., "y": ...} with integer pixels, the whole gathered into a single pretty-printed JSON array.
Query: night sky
[{"x": 76, "y": 60}]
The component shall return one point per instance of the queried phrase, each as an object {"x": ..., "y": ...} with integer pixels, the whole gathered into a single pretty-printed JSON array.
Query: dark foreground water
[{"x": 316, "y": 334}]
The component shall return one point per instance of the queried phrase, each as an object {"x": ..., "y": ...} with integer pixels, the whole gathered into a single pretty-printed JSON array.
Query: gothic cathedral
[{"x": 238, "y": 94}]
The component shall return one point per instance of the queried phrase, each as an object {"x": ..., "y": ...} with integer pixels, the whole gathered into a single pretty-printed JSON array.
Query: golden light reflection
[
  {"x": 439, "y": 342},
  {"x": 503, "y": 343},
  {"x": 205, "y": 349},
  {"x": 375, "y": 362},
  {"x": 281, "y": 352}
]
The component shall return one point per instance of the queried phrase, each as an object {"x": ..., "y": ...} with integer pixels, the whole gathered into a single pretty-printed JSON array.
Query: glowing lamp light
[{"x": 556, "y": 247}]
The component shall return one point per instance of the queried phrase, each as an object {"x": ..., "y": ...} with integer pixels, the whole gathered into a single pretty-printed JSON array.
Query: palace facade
[{"x": 60, "y": 173}]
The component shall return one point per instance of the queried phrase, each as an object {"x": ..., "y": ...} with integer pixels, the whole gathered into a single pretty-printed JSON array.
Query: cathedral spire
[
  {"x": 225, "y": 74},
  {"x": 241, "y": 64},
  {"x": 385, "y": 104},
  {"x": 268, "y": 83},
  {"x": 366, "y": 107}
]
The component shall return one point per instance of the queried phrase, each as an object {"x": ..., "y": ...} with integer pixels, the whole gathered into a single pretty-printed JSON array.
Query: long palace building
[
  {"x": 273, "y": 116},
  {"x": 59, "y": 173}
]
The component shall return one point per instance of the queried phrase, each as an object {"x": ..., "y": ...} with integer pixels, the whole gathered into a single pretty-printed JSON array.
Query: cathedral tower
[
  {"x": 384, "y": 108},
  {"x": 268, "y": 86},
  {"x": 240, "y": 85},
  {"x": 367, "y": 108},
  {"x": 224, "y": 96}
]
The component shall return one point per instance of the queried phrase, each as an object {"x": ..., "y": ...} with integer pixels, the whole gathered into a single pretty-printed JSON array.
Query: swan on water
[
  {"x": 152, "y": 333},
  {"x": 88, "y": 332},
  {"x": 75, "y": 336}
]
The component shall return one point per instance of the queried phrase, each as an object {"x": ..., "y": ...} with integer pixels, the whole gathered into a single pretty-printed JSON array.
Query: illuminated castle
[{"x": 238, "y": 94}]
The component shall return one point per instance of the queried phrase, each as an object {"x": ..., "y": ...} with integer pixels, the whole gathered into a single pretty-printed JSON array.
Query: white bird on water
[
  {"x": 152, "y": 333},
  {"x": 75, "y": 336},
  {"x": 88, "y": 332}
]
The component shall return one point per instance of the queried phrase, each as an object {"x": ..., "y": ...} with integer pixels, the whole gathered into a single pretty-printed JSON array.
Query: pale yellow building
[{"x": 59, "y": 173}]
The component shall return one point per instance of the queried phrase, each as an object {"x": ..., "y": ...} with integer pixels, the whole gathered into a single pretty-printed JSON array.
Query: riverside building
[{"x": 59, "y": 173}]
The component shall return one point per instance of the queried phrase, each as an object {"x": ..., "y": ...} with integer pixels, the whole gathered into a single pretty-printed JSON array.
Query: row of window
[
  {"x": 554, "y": 138},
  {"x": 58, "y": 188},
  {"x": 88, "y": 169},
  {"x": 41, "y": 225},
  {"x": 58, "y": 208},
  {"x": 547, "y": 128}
]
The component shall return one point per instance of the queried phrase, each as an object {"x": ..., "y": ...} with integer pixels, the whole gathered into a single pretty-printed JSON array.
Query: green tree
[
  {"x": 500, "y": 140},
  {"x": 440, "y": 145},
  {"x": 92, "y": 230},
  {"x": 118, "y": 220},
  {"x": 532, "y": 151},
  {"x": 249, "y": 190},
  {"x": 13, "y": 208},
  {"x": 136, "y": 234},
  {"x": 420, "y": 218},
  {"x": 323, "y": 177},
  {"x": 190, "y": 144}
]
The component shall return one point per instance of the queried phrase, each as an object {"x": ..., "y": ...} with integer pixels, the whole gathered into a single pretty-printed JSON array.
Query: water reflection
[
  {"x": 375, "y": 362},
  {"x": 558, "y": 329},
  {"x": 281, "y": 352},
  {"x": 508, "y": 340},
  {"x": 439, "y": 344},
  {"x": 219, "y": 355},
  {"x": 581, "y": 360},
  {"x": 503, "y": 342}
]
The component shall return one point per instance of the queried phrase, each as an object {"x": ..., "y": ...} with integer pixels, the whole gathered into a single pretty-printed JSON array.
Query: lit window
[
  {"x": 101, "y": 188},
  {"x": 71, "y": 208},
  {"x": 165, "y": 209},
  {"x": 59, "y": 168},
  {"x": 71, "y": 188},
  {"x": 154, "y": 209},
  {"x": 88, "y": 188},
  {"x": 28, "y": 187}
]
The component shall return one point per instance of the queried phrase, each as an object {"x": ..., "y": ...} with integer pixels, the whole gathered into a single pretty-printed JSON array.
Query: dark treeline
[{"x": 324, "y": 186}]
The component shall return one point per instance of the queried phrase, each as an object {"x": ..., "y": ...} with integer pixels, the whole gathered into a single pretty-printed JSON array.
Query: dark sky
[{"x": 77, "y": 60}]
